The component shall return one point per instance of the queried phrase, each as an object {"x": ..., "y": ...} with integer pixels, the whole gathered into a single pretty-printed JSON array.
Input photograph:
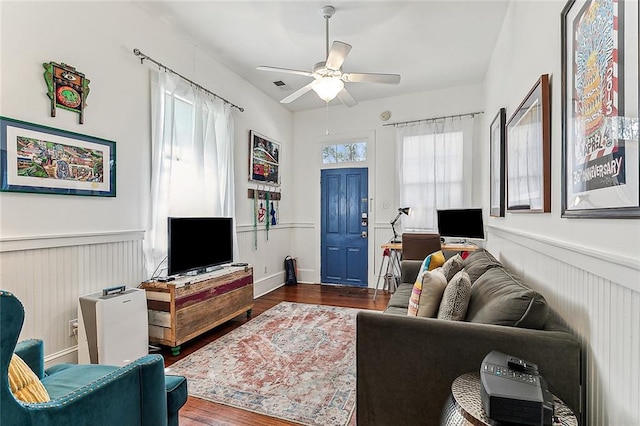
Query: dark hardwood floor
[{"x": 200, "y": 412}]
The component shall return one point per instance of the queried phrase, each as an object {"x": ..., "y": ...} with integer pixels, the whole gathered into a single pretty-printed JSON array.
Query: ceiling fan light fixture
[
  {"x": 329, "y": 80},
  {"x": 327, "y": 88}
]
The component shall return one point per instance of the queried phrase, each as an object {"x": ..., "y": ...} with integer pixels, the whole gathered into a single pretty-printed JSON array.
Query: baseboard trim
[{"x": 68, "y": 355}]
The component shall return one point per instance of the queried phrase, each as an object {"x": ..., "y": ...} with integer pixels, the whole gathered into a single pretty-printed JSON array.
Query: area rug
[{"x": 295, "y": 361}]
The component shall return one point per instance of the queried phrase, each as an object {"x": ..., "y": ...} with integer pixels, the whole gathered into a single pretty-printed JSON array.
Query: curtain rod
[
  {"x": 142, "y": 56},
  {"x": 433, "y": 118}
]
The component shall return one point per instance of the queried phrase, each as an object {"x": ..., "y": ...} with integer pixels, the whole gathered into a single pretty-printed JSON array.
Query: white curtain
[
  {"x": 192, "y": 160},
  {"x": 434, "y": 169}
]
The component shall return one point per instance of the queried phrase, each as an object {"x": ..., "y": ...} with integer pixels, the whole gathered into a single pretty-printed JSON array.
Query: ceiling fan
[{"x": 328, "y": 77}]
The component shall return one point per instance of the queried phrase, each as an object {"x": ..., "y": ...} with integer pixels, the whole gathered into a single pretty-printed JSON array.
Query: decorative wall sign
[
  {"x": 41, "y": 159},
  {"x": 497, "y": 141},
  {"x": 264, "y": 165},
  {"x": 529, "y": 152},
  {"x": 600, "y": 160},
  {"x": 67, "y": 88}
]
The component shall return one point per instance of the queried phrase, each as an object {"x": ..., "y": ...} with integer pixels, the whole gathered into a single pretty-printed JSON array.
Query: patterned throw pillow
[
  {"x": 429, "y": 263},
  {"x": 433, "y": 285},
  {"x": 452, "y": 266},
  {"x": 414, "y": 300},
  {"x": 455, "y": 299},
  {"x": 24, "y": 383},
  {"x": 433, "y": 261}
]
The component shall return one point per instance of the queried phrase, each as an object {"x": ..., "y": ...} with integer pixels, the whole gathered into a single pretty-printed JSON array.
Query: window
[
  {"x": 432, "y": 171},
  {"x": 192, "y": 162},
  {"x": 344, "y": 153},
  {"x": 179, "y": 170}
]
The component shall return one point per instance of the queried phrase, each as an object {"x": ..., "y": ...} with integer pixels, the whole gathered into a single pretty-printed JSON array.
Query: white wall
[
  {"x": 588, "y": 269},
  {"x": 71, "y": 245},
  {"x": 100, "y": 44},
  {"x": 529, "y": 45},
  {"x": 364, "y": 119}
]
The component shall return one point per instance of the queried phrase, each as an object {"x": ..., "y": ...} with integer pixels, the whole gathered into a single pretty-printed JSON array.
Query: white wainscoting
[
  {"x": 49, "y": 273},
  {"x": 265, "y": 251},
  {"x": 598, "y": 295}
]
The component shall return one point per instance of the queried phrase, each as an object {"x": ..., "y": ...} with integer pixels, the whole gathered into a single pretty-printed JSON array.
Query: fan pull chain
[{"x": 326, "y": 131}]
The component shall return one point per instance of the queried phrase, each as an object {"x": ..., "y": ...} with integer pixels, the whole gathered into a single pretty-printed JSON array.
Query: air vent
[{"x": 281, "y": 84}]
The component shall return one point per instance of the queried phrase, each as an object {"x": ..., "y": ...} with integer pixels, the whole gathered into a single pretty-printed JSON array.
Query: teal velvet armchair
[{"x": 137, "y": 394}]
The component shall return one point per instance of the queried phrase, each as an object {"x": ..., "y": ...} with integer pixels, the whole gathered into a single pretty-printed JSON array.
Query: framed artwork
[
  {"x": 264, "y": 165},
  {"x": 45, "y": 160},
  {"x": 497, "y": 140},
  {"x": 67, "y": 88},
  {"x": 528, "y": 152},
  {"x": 600, "y": 158}
]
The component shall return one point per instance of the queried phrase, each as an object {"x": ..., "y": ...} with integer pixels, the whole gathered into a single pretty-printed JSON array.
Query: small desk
[
  {"x": 393, "y": 263},
  {"x": 459, "y": 247},
  {"x": 395, "y": 256},
  {"x": 445, "y": 246},
  {"x": 464, "y": 406},
  {"x": 392, "y": 246}
]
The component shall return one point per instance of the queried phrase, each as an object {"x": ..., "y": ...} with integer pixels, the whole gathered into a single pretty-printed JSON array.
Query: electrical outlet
[{"x": 73, "y": 327}]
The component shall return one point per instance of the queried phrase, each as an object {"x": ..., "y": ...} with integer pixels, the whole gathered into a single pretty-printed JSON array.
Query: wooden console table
[{"x": 182, "y": 309}]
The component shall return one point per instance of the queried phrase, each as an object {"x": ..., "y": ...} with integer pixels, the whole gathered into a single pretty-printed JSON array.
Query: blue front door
[{"x": 344, "y": 230}]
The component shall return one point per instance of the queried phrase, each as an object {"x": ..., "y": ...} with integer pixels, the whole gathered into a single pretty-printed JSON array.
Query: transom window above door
[{"x": 344, "y": 153}]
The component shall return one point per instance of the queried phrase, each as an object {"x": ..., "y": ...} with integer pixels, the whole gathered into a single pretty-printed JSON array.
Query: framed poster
[
  {"x": 45, "y": 160},
  {"x": 264, "y": 165},
  {"x": 600, "y": 159},
  {"x": 497, "y": 139},
  {"x": 528, "y": 152}
]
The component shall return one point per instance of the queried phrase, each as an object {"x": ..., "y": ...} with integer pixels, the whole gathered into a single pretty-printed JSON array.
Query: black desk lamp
[{"x": 401, "y": 211}]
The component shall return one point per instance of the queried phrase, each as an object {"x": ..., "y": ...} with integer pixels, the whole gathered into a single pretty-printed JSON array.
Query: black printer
[{"x": 513, "y": 391}]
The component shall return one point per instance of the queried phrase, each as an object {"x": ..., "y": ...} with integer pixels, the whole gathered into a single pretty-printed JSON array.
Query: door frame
[{"x": 369, "y": 164}]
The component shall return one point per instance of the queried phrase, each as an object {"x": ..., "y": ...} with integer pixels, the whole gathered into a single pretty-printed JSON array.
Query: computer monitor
[{"x": 462, "y": 224}]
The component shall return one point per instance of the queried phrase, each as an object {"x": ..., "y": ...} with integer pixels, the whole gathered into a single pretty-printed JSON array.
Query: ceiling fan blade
[
  {"x": 359, "y": 77},
  {"x": 295, "y": 95},
  {"x": 337, "y": 54},
  {"x": 346, "y": 98},
  {"x": 284, "y": 70}
]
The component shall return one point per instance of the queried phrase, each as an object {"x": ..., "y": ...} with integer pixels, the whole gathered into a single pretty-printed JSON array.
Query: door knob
[{"x": 364, "y": 234}]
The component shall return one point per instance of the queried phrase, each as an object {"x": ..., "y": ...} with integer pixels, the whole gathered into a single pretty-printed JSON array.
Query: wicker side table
[{"x": 464, "y": 406}]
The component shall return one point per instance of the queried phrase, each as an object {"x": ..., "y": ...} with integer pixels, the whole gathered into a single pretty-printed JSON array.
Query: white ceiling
[{"x": 431, "y": 44}]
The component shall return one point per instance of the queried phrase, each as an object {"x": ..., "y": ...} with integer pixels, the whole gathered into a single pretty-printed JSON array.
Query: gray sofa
[{"x": 406, "y": 364}]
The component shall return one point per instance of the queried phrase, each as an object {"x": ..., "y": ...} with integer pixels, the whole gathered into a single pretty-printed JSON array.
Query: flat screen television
[
  {"x": 196, "y": 244},
  {"x": 461, "y": 223}
]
